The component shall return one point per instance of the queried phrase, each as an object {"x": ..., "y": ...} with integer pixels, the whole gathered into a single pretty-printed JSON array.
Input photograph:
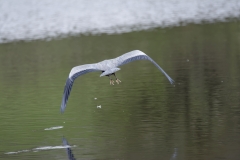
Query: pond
[{"x": 144, "y": 117}]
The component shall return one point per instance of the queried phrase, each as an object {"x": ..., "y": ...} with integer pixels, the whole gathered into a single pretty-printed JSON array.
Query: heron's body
[
  {"x": 107, "y": 67},
  {"x": 107, "y": 64}
]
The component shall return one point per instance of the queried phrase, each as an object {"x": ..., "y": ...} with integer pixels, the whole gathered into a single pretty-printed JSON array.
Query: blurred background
[{"x": 197, "y": 42}]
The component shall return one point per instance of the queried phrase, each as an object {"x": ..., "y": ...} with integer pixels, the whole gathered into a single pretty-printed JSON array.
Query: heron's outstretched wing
[
  {"x": 138, "y": 55},
  {"x": 76, "y": 72}
]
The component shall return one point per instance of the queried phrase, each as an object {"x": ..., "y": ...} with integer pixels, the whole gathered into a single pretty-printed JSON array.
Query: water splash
[
  {"x": 41, "y": 149},
  {"x": 52, "y": 128}
]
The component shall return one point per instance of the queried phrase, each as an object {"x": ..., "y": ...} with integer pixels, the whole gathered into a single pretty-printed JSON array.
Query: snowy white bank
[{"x": 38, "y": 19}]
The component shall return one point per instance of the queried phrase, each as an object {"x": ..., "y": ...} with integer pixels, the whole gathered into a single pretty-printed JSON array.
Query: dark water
[{"x": 142, "y": 118}]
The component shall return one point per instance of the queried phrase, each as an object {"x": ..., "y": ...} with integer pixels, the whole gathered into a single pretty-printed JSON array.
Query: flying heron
[{"x": 108, "y": 68}]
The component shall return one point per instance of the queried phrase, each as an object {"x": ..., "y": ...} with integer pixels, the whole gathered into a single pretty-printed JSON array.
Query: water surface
[{"x": 142, "y": 118}]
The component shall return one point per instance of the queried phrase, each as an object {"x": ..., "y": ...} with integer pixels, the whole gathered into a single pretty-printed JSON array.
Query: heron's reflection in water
[
  {"x": 68, "y": 149},
  {"x": 174, "y": 155},
  {"x": 71, "y": 156}
]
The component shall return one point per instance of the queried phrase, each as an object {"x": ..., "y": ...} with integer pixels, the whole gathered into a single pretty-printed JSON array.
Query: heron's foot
[
  {"x": 111, "y": 82},
  {"x": 118, "y": 81}
]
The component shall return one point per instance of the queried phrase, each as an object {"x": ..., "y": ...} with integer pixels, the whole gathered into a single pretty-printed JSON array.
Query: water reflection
[
  {"x": 68, "y": 149},
  {"x": 174, "y": 155},
  {"x": 143, "y": 118}
]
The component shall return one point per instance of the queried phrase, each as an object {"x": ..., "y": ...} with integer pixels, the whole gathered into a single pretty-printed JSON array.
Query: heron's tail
[{"x": 66, "y": 93}]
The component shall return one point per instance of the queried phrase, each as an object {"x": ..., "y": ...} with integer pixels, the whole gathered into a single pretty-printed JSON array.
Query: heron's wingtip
[
  {"x": 172, "y": 81},
  {"x": 66, "y": 94}
]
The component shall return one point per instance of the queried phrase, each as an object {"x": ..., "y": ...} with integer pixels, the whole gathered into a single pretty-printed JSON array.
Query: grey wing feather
[
  {"x": 138, "y": 55},
  {"x": 75, "y": 72}
]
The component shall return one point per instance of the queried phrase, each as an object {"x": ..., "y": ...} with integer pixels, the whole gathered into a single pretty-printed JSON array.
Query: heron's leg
[
  {"x": 117, "y": 80},
  {"x": 111, "y": 81}
]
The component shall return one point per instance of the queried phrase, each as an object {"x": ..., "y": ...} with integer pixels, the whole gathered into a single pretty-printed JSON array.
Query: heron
[{"x": 108, "y": 68}]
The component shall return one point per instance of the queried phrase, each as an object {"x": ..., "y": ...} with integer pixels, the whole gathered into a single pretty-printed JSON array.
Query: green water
[{"x": 145, "y": 117}]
